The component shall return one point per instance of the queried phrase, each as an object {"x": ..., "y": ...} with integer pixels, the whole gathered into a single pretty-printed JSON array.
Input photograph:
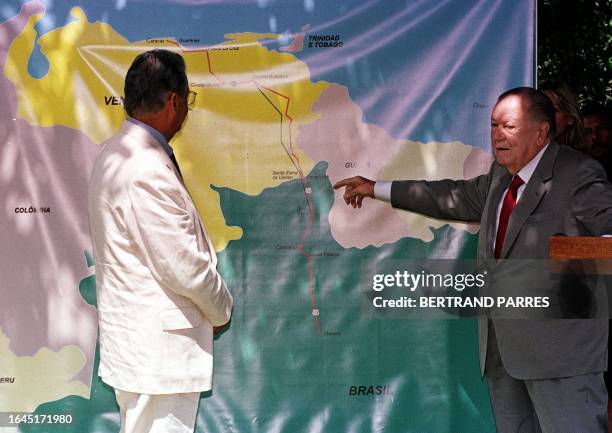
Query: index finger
[{"x": 344, "y": 182}]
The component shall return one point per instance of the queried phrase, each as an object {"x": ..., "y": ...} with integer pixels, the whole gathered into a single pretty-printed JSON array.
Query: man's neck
[
  {"x": 156, "y": 122},
  {"x": 527, "y": 171},
  {"x": 157, "y": 135}
]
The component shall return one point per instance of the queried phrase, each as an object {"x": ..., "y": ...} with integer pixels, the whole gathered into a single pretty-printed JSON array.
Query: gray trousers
[{"x": 577, "y": 404}]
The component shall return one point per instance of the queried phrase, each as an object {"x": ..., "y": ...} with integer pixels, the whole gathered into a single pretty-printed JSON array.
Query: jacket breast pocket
[
  {"x": 180, "y": 318},
  {"x": 540, "y": 217}
]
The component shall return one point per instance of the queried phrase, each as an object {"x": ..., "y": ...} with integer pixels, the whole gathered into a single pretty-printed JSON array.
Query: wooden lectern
[{"x": 598, "y": 249}]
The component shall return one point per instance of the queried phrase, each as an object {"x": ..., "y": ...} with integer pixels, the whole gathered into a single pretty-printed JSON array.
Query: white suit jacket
[{"x": 158, "y": 290}]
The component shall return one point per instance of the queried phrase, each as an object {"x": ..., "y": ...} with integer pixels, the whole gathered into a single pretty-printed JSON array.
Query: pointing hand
[{"x": 357, "y": 188}]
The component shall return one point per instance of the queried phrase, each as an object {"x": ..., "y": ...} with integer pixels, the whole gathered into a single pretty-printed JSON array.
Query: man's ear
[
  {"x": 543, "y": 131},
  {"x": 173, "y": 101}
]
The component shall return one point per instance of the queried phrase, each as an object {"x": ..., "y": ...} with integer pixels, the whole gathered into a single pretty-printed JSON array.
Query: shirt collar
[
  {"x": 526, "y": 172},
  {"x": 155, "y": 134}
]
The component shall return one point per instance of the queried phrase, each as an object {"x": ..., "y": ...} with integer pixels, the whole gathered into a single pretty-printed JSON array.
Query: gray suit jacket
[{"x": 569, "y": 194}]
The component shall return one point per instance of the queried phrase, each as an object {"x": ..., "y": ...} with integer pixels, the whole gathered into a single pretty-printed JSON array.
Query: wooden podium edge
[
  {"x": 580, "y": 248},
  {"x": 590, "y": 254}
]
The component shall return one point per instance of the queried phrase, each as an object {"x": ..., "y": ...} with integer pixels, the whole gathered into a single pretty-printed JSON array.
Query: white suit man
[{"x": 158, "y": 290}]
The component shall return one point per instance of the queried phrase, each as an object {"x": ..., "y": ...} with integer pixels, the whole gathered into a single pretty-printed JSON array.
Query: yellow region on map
[
  {"x": 73, "y": 91},
  {"x": 241, "y": 134},
  {"x": 28, "y": 381}
]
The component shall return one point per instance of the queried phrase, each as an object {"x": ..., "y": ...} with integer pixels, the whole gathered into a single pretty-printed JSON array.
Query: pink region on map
[
  {"x": 297, "y": 41},
  {"x": 476, "y": 163},
  {"x": 42, "y": 260},
  {"x": 352, "y": 148}
]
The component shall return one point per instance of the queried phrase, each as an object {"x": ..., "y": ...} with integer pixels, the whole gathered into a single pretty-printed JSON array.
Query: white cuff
[{"x": 382, "y": 190}]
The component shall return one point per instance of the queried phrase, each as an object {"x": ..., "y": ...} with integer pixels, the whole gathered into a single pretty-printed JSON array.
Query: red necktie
[{"x": 504, "y": 216}]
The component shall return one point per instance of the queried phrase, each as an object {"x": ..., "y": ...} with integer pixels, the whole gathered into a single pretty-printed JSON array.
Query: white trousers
[{"x": 162, "y": 413}]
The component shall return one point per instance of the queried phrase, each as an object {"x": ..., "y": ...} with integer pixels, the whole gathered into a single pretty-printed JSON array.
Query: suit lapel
[
  {"x": 489, "y": 223},
  {"x": 535, "y": 189}
]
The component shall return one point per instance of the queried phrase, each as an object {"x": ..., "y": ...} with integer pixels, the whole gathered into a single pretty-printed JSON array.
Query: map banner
[{"x": 292, "y": 96}]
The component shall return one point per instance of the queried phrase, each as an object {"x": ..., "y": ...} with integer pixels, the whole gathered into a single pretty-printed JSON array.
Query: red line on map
[
  {"x": 296, "y": 163},
  {"x": 210, "y": 68}
]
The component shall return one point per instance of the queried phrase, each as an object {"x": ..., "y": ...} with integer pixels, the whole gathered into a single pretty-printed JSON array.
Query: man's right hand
[
  {"x": 357, "y": 188},
  {"x": 219, "y": 329}
]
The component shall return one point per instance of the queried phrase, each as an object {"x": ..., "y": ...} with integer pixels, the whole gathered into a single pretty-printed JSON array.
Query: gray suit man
[{"x": 543, "y": 375}]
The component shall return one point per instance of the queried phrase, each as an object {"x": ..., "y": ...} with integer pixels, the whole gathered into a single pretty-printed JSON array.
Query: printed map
[{"x": 290, "y": 99}]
